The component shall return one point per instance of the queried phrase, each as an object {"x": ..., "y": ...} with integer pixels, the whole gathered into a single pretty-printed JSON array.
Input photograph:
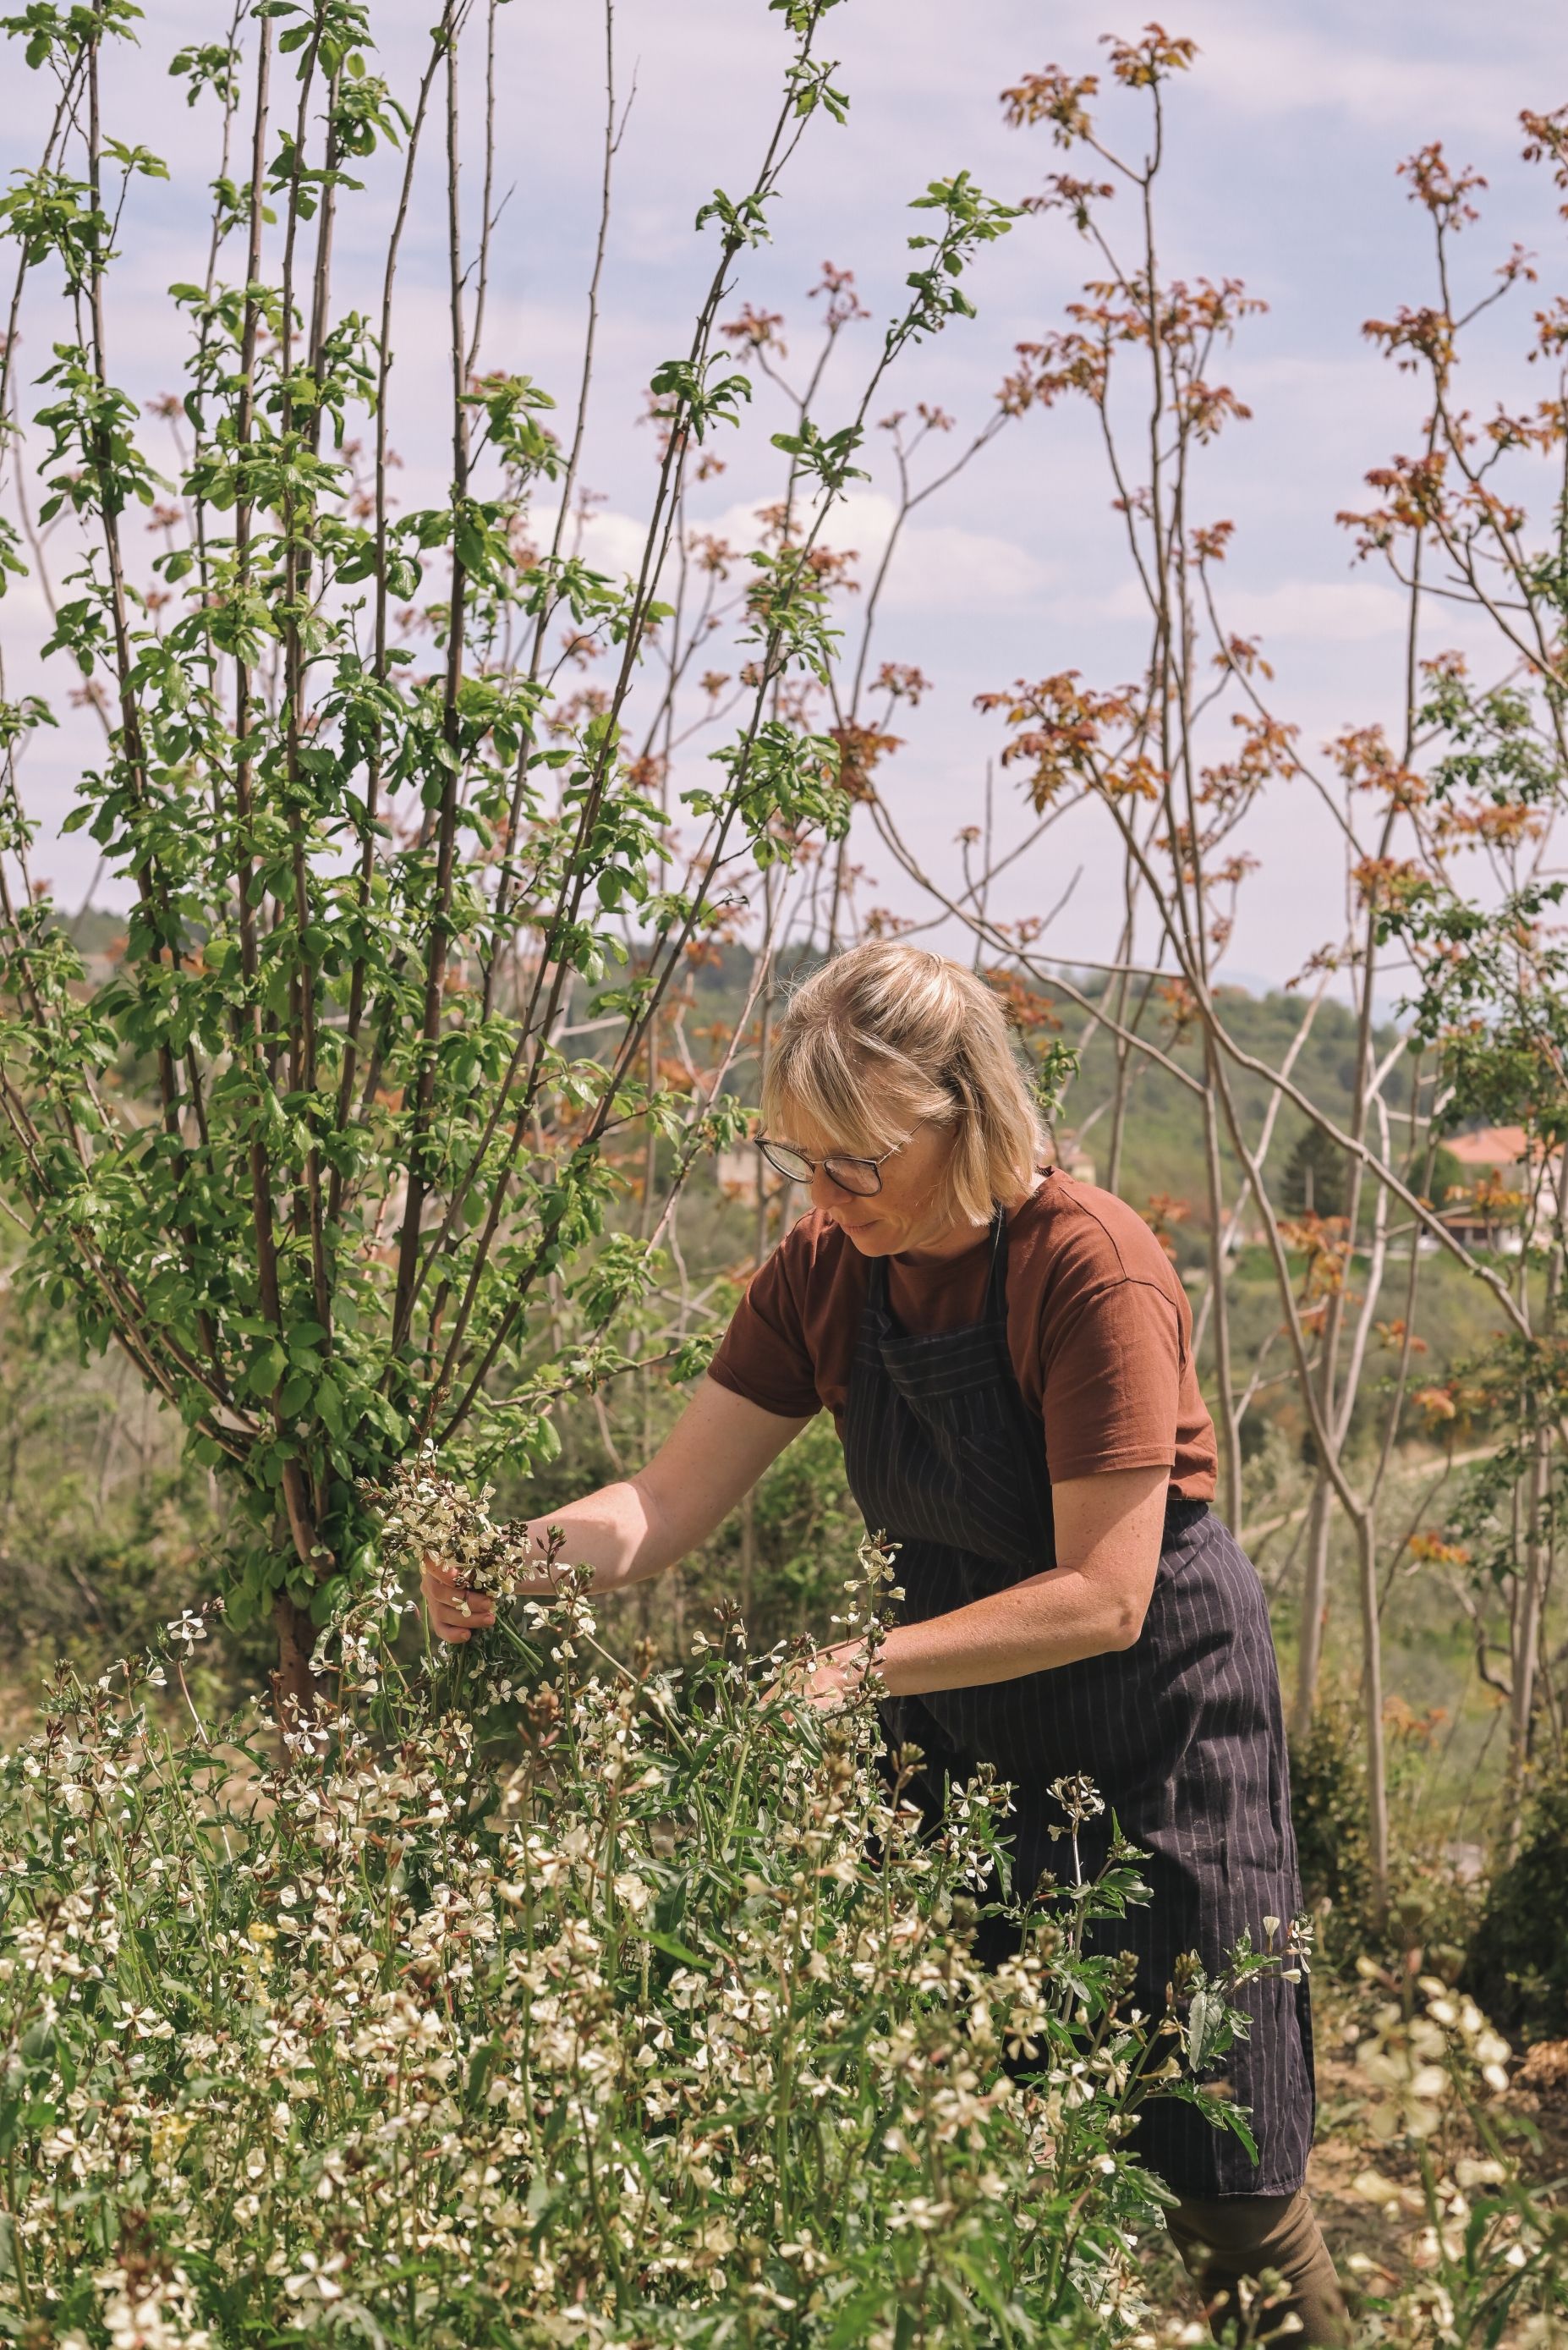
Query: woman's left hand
[{"x": 834, "y": 1679}]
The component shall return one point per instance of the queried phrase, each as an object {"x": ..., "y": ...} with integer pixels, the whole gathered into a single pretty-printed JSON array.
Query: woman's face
[{"x": 905, "y": 1213}]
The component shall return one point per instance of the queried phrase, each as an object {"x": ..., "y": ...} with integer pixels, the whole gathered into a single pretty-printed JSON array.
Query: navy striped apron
[{"x": 1182, "y": 1734}]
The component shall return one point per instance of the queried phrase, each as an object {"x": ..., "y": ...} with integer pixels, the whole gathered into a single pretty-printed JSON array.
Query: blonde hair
[{"x": 888, "y": 1034}]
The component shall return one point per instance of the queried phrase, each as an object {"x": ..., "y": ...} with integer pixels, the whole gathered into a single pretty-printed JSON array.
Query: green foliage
[
  {"x": 1429, "y": 1908},
  {"x": 1163, "y": 1147},
  {"x": 968, "y": 219},
  {"x": 1493, "y": 979},
  {"x": 1059, "y": 1064},
  {"x": 1328, "y": 1806},
  {"x": 804, "y": 1521},
  {"x": 1316, "y": 1180},
  {"x": 1517, "y": 1965}
]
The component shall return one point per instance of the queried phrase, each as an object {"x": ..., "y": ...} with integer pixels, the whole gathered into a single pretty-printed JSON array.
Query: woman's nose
[{"x": 824, "y": 1192}]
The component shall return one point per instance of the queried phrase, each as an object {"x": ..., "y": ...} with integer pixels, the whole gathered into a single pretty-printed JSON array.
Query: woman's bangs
[{"x": 817, "y": 1098}]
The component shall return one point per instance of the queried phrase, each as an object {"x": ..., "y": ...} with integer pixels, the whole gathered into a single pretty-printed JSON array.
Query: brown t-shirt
[{"x": 1098, "y": 1327}]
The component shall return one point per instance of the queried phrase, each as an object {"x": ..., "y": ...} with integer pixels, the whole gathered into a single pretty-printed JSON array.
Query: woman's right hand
[{"x": 455, "y": 1611}]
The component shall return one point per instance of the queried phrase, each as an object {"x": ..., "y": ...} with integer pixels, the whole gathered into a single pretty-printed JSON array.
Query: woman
[{"x": 1008, "y": 1355}]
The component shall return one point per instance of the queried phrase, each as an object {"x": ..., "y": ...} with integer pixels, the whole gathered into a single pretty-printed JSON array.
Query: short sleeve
[
  {"x": 1112, "y": 1372},
  {"x": 764, "y": 1355}
]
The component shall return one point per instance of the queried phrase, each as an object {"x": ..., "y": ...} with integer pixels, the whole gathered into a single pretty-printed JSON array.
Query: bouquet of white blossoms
[{"x": 423, "y": 1514}]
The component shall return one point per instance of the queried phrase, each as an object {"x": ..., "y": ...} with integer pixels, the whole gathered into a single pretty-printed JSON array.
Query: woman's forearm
[
  {"x": 1110, "y": 1527},
  {"x": 1054, "y": 1620},
  {"x": 615, "y": 1531},
  {"x": 639, "y": 1526},
  {"x": 635, "y": 1528}
]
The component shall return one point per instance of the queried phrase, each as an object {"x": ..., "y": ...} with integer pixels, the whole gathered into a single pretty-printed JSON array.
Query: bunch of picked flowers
[{"x": 423, "y": 1514}]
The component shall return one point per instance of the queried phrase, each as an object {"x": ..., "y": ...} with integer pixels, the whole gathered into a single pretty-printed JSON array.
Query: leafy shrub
[
  {"x": 529, "y": 1998},
  {"x": 1315, "y": 1180},
  {"x": 804, "y": 1521},
  {"x": 320, "y": 1142},
  {"x": 1517, "y": 1965},
  {"x": 100, "y": 1520},
  {"x": 1328, "y": 1801},
  {"x": 1429, "y": 1908}
]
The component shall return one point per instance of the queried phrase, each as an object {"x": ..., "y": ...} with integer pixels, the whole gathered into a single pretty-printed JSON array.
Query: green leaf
[
  {"x": 673, "y": 1948},
  {"x": 329, "y": 1405},
  {"x": 265, "y": 1369}
]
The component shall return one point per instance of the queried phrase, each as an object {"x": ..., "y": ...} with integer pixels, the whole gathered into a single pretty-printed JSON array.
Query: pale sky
[{"x": 1283, "y": 146}]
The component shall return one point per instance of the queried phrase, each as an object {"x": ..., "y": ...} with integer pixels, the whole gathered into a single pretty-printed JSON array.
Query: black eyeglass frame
[{"x": 874, "y": 1167}]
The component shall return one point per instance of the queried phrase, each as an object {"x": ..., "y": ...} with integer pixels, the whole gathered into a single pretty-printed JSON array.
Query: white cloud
[
  {"x": 609, "y": 541},
  {"x": 945, "y": 565},
  {"x": 935, "y": 567},
  {"x": 1306, "y": 611},
  {"x": 1272, "y": 66},
  {"x": 1322, "y": 611}
]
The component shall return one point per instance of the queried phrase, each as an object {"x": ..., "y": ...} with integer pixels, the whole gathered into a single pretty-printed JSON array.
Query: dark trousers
[{"x": 1227, "y": 2243}]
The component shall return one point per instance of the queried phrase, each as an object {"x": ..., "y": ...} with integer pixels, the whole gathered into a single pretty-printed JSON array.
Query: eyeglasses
[{"x": 860, "y": 1176}]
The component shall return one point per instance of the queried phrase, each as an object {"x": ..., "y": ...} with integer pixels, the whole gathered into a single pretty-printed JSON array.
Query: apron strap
[{"x": 996, "y": 1286}]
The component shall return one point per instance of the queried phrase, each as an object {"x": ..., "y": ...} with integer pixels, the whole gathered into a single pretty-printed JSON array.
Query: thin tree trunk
[
  {"x": 1225, "y": 1393},
  {"x": 1315, "y": 1610},
  {"x": 294, "y": 1684},
  {"x": 1122, "y": 1046},
  {"x": 1526, "y": 1643},
  {"x": 1372, "y": 1711},
  {"x": 759, "y": 1250}
]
